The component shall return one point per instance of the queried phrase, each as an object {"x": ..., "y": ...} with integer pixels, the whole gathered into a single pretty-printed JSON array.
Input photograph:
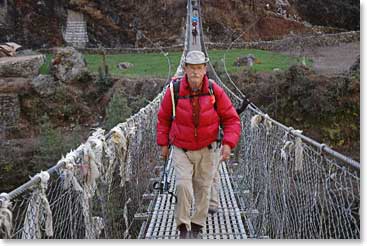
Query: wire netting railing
[
  {"x": 297, "y": 190},
  {"x": 96, "y": 189}
]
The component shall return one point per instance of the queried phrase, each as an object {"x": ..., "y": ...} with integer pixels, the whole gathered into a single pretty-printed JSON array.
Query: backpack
[{"x": 175, "y": 89}]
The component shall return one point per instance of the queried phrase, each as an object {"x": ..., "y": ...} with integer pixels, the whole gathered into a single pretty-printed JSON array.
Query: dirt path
[{"x": 334, "y": 59}]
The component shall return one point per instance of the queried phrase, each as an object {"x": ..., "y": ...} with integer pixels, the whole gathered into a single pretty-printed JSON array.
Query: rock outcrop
[
  {"x": 45, "y": 85},
  {"x": 21, "y": 66},
  {"x": 68, "y": 65}
]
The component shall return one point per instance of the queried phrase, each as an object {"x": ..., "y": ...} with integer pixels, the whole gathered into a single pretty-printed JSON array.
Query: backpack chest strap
[{"x": 192, "y": 96}]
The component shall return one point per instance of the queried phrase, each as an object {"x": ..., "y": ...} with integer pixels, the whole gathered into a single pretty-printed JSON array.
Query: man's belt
[{"x": 209, "y": 147}]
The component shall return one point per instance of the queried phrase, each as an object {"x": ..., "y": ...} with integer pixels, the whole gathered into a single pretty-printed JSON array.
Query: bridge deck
[{"x": 225, "y": 224}]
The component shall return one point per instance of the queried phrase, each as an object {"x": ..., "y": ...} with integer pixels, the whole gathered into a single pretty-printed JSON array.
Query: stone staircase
[{"x": 76, "y": 34}]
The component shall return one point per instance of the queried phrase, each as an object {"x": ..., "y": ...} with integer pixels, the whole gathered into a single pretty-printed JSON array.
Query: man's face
[{"x": 195, "y": 74}]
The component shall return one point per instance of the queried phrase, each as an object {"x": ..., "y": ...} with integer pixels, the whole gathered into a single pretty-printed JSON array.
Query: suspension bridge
[{"x": 278, "y": 184}]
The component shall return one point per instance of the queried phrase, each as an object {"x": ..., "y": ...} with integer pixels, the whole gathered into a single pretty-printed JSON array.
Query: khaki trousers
[
  {"x": 214, "y": 191},
  {"x": 195, "y": 171}
]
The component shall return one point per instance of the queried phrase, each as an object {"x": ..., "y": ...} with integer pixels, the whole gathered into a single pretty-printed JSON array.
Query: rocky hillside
[
  {"x": 115, "y": 23},
  {"x": 342, "y": 14}
]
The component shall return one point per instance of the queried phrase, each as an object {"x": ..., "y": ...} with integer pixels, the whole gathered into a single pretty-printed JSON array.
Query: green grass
[
  {"x": 45, "y": 68},
  {"x": 149, "y": 64},
  {"x": 156, "y": 65},
  {"x": 267, "y": 60}
]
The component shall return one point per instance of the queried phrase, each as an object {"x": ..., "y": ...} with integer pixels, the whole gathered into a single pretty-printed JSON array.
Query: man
[
  {"x": 193, "y": 136},
  {"x": 194, "y": 21},
  {"x": 194, "y": 34}
]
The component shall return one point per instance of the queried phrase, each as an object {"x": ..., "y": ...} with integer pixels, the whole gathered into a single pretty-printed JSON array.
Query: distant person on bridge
[
  {"x": 193, "y": 133},
  {"x": 194, "y": 21},
  {"x": 194, "y": 34}
]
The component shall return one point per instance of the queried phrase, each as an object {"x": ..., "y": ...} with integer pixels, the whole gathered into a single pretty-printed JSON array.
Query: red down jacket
[{"x": 181, "y": 131}]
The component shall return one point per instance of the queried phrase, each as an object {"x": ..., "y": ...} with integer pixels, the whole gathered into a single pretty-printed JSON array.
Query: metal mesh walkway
[{"x": 225, "y": 224}]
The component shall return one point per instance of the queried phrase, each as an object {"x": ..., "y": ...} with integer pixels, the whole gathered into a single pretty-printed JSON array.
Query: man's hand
[
  {"x": 164, "y": 153},
  {"x": 225, "y": 152}
]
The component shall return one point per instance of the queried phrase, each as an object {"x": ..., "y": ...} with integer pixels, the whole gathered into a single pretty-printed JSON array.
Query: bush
[
  {"x": 54, "y": 143},
  {"x": 117, "y": 110},
  {"x": 51, "y": 140},
  {"x": 137, "y": 103},
  {"x": 104, "y": 80}
]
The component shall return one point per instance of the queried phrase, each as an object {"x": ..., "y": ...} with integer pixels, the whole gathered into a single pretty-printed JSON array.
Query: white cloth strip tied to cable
[
  {"x": 267, "y": 122},
  {"x": 38, "y": 211},
  {"x": 89, "y": 228},
  {"x": 91, "y": 154},
  {"x": 68, "y": 172},
  {"x": 6, "y": 216},
  {"x": 298, "y": 152},
  {"x": 112, "y": 155},
  {"x": 297, "y": 147},
  {"x": 284, "y": 152},
  {"x": 126, "y": 233},
  {"x": 68, "y": 169},
  {"x": 117, "y": 151},
  {"x": 140, "y": 125},
  {"x": 98, "y": 226},
  {"x": 255, "y": 121},
  {"x": 131, "y": 133},
  {"x": 90, "y": 170},
  {"x": 92, "y": 160}
]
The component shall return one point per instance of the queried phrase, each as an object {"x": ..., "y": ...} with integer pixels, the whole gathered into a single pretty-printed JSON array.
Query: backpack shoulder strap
[
  {"x": 175, "y": 90},
  {"x": 211, "y": 92}
]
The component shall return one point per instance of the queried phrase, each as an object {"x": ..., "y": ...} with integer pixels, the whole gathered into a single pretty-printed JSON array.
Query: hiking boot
[
  {"x": 184, "y": 234},
  {"x": 196, "y": 231},
  {"x": 212, "y": 211}
]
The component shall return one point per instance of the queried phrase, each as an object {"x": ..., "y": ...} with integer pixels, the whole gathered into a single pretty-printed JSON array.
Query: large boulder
[
  {"x": 247, "y": 60},
  {"x": 124, "y": 65},
  {"x": 45, "y": 85},
  {"x": 68, "y": 65},
  {"x": 21, "y": 66}
]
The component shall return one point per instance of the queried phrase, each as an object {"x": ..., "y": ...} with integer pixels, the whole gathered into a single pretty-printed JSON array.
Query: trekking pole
[{"x": 163, "y": 186}]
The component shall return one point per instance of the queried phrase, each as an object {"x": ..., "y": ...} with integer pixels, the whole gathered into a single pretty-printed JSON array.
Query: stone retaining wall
[
  {"x": 294, "y": 42},
  {"x": 76, "y": 30},
  {"x": 276, "y": 45},
  {"x": 9, "y": 110},
  {"x": 3, "y": 11}
]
